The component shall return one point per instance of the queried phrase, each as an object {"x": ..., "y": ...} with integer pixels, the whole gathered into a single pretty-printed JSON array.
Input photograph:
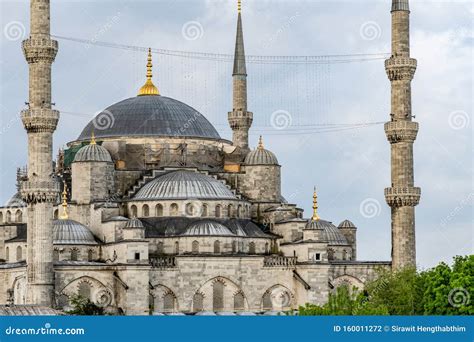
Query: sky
[{"x": 350, "y": 168}]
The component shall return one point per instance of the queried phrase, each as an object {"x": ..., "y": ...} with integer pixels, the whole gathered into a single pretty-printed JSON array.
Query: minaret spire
[
  {"x": 240, "y": 119},
  {"x": 40, "y": 190},
  {"x": 401, "y": 132}
]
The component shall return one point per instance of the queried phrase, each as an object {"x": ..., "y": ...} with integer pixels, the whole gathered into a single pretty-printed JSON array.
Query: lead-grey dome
[
  {"x": 15, "y": 201},
  {"x": 207, "y": 228},
  {"x": 70, "y": 232},
  {"x": 93, "y": 153},
  {"x": 184, "y": 185},
  {"x": 330, "y": 232},
  {"x": 134, "y": 223},
  {"x": 144, "y": 116},
  {"x": 346, "y": 224},
  {"x": 261, "y": 156}
]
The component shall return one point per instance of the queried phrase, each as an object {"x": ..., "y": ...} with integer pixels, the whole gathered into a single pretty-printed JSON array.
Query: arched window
[
  {"x": 344, "y": 255},
  {"x": 239, "y": 211},
  {"x": 176, "y": 247},
  {"x": 90, "y": 255},
  {"x": 218, "y": 296},
  {"x": 7, "y": 253},
  {"x": 55, "y": 255},
  {"x": 198, "y": 302},
  {"x": 267, "y": 248},
  {"x": 55, "y": 215},
  {"x": 19, "y": 253},
  {"x": 84, "y": 290},
  {"x": 218, "y": 210},
  {"x": 252, "y": 247},
  {"x": 174, "y": 209},
  {"x": 133, "y": 211},
  {"x": 74, "y": 254},
  {"x": 230, "y": 210},
  {"x": 145, "y": 210},
  {"x": 168, "y": 302},
  {"x": 19, "y": 216},
  {"x": 190, "y": 209},
  {"x": 204, "y": 210},
  {"x": 234, "y": 246},
  {"x": 1, "y": 217},
  {"x": 330, "y": 254},
  {"x": 239, "y": 301},
  {"x": 267, "y": 301},
  {"x": 217, "y": 247},
  {"x": 159, "y": 210},
  {"x": 195, "y": 247},
  {"x": 8, "y": 217},
  {"x": 159, "y": 248}
]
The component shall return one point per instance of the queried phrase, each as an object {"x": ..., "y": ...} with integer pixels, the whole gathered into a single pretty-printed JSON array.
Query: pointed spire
[
  {"x": 260, "y": 143},
  {"x": 239, "y": 56},
  {"x": 149, "y": 88},
  {"x": 315, "y": 206},
  {"x": 93, "y": 142},
  {"x": 64, "y": 215}
]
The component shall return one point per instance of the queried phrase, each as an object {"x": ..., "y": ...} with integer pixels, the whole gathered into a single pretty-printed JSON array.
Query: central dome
[{"x": 149, "y": 116}]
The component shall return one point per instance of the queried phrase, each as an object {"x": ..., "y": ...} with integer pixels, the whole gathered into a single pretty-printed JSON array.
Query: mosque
[{"x": 151, "y": 211}]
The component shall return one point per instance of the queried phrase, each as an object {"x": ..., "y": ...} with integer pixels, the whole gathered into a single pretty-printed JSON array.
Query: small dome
[
  {"x": 93, "y": 153},
  {"x": 134, "y": 223},
  {"x": 207, "y": 228},
  {"x": 69, "y": 232},
  {"x": 331, "y": 234},
  {"x": 184, "y": 185},
  {"x": 346, "y": 224},
  {"x": 261, "y": 156},
  {"x": 15, "y": 201}
]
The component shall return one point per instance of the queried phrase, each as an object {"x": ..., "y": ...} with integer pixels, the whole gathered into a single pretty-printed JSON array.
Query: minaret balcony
[
  {"x": 400, "y": 68},
  {"x": 402, "y": 196},
  {"x": 401, "y": 131},
  {"x": 40, "y": 50},
  {"x": 240, "y": 119},
  {"x": 40, "y": 191},
  {"x": 39, "y": 119}
]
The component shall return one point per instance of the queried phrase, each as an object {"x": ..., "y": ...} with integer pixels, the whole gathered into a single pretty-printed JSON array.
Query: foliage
[
  {"x": 84, "y": 307},
  {"x": 442, "y": 290}
]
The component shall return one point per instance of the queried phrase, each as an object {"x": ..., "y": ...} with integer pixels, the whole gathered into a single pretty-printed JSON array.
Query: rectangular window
[
  {"x": 137, "y": 256},
  {"x": 317, "y": 256}
]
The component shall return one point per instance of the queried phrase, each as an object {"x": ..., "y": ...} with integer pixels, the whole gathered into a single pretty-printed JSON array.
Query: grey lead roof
[
  {"x": 67, "y": 232},
  {"x": 15, "y": 201},
  {"x": 261, "y": 156},
  {"x": 239, "y": 55},
  {"x": 184, "y": 185},
  {"x": 207, "y": 228},
  {"x": 331, "y": 234},
  {"x": 400, "y": 5},
  {"x": 153, "y": 116},
  {"x": 93, "y": 153}
]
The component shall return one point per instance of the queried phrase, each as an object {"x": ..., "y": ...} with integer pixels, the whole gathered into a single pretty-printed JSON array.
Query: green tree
[{"x": 84, "y": 307}]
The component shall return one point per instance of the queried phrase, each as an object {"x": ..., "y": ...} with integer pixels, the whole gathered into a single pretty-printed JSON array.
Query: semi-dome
[
  {"x": 134, "y": 223},
  {"x": 70, "y": 232},
  {"x": 149, "y": 116},
  {"x": 346, "y": 224},
  {"x": 15, "y": 201},
  {"x": 330, "y": 232},
  {"x": 261, "y": 156},
  {"x": 207, "y": 228},
  {"x": 184, "y": 185},
  {"x": 93, "y": 153}
]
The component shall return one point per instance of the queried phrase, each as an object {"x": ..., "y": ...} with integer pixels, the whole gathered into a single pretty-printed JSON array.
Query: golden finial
[
  {"x": 93, "y": 142},
  {"x": 239, "y": 6},
  {"x": 260, "y": 143},
  {"x": 64, "y": 214},
  {"x": 315, "y": 206},
  {"x": 148, "y": 88}
]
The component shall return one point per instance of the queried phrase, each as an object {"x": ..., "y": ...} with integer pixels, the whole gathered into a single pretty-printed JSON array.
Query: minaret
[
  {"x": 40, "y": 191},
  {"x": 401, "y": 132},
  {"x": 240, "y": 119}
]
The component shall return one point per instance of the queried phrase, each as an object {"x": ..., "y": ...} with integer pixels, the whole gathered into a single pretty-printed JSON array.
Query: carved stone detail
[
  {"x": 40, "y": 120},
  {"x": 398, "y": 131},
  {"x": 402, "y": 196},
  {"x": 400, "y": 68},
  {"x": 40, "y": 50}
]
